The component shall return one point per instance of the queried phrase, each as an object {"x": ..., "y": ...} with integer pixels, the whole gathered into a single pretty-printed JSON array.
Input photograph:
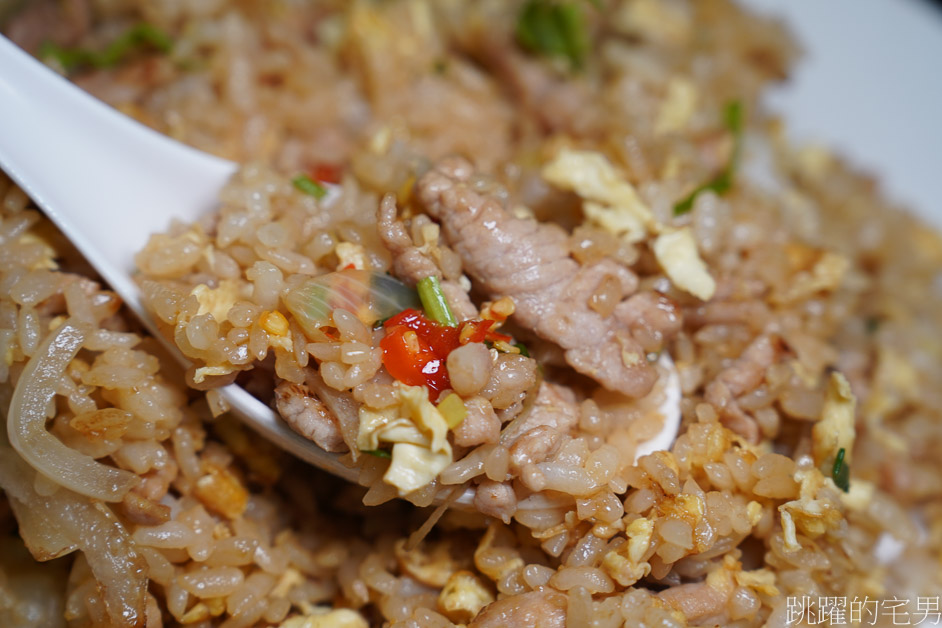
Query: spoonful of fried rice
[{"x": 439, "y": 364}]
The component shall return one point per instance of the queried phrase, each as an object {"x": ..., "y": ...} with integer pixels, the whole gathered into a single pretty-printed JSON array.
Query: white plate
[{"x": 870, "y": 86}]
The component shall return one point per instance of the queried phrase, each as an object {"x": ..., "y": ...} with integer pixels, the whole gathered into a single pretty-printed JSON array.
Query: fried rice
[{"x": 482, "y": 252}]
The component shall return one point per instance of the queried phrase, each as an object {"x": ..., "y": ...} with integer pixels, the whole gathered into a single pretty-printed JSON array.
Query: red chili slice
[
  {"x": 327, "y": 173},
  {"x": 412, "y": 360}
]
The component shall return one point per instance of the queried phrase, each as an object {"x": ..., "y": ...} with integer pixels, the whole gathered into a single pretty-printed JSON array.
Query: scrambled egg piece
[
  {"x": 216, "y": 301},
  {"x": 610, "y": 201},
  {"x": 418, "y": 432},
  {"x": 463, "y": 596},
  {"x": 663, "y": 22},
  {"x": 431, "y": 563},
  {"x": 809, "y": 514},
  {"x": 351, "y": 254},
  {"x": 730, "y": 574},
  {"x": 625, "y": 564},
  {"x": 221, "y": 490},
  {"x": 678, "y": 106},
  {"x": 814, "y": 162},
  {"x": 826, "y": 276},
  {"x": 835, "y": 430},
  {"x": 337, "y": 618},
  {"x": 858, "y": 495},
  {"x": 676, "y": 252},
  {"x": 759, "y": 580},
  {"x": 895, "y": 381},
  {"x": 275, "y": 323},
  {"x": 754, "y": 512},
  {"x": 288, "y": 580},
  {"x": 201, "y": 373}
]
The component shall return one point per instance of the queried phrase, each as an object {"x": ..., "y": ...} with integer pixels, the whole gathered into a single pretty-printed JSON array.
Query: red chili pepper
[
  {"x": 493, "y": 335},
  {"x": 328, "y": 173},
  {"x": 421, "y": 360},
  {"x": 412, "y": 360},
  {"x": 442, "y": 338}
]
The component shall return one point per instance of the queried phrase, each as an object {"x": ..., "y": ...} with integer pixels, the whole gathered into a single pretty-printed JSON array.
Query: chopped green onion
[
  {"x": 434, "y": 302},
  {"x": 523, "y": 349},
  {"x": 872, "y": 324},
  {"x": 453, "y": 410},
  {"x": 554, "y": 29},
  {"x": 840, "y": 472},
  {"x": 379, "y": 453},
  {"x": 721, "y": 183},
  {"x": 138, "y": 36},
  {"x": 309, "y": 186}
]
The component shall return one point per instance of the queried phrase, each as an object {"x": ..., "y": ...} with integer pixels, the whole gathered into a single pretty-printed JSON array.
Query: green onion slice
[
  {"x": 309, "y": 186},
  {"x": 840, "y": 472},
  {"x": 554, "y": 29},
  {"x": 434, "y": 302},
  {"x": 139, "y": 36},
  {"x": 721, "y": 183}
]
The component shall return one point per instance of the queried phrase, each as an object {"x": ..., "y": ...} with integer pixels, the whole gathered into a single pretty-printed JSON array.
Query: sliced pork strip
[
  {"x": 652, "y": 317},
  {"x": 411, "y": 264},
  {"x": 554, "y": 408},
  {"x": 530, "y": 261},
  {"x": 742, "y": 376},
  {"x": 480, "y": 426},
  {"x": 308, "y": 416}
]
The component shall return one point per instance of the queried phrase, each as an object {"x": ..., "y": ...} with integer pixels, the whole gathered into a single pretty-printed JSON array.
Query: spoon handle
[{"x": 106, "y": 180}]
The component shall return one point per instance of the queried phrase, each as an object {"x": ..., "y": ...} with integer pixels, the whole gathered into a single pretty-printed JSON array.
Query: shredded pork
[
  {"x": 308, "y": 416},
  {"x": 530, "y": 261}
]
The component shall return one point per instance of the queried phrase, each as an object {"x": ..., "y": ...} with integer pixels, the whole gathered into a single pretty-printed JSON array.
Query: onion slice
[
  {"x": 344, "y": 407},
  {"x": 368, "y": 295},
  {"x": 26, "y": 424},
  {"x": 57, "y": 524}
]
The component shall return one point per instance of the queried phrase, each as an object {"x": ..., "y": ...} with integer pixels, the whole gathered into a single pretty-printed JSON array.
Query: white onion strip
[
  {"x": 26, "y": 425},
  {"x": 344, "y": 408},
  {"x": 57, "y": 524}
]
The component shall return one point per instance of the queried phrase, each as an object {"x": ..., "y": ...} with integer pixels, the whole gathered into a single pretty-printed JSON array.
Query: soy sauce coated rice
[{"x": 800, "y": 311}]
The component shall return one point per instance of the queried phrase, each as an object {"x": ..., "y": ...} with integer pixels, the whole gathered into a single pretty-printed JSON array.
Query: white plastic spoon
[{"x": 108, "y": 182}]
